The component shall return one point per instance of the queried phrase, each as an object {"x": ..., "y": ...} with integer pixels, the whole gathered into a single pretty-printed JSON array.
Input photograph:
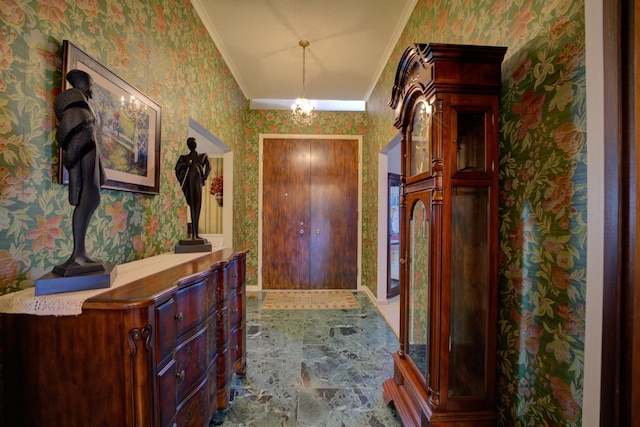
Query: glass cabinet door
[
  {"x": 470, "y": 140},
  {"x": 420, "y": 140},
  {"x": 469, "y": 291},
  {"x": 418, "y": 295}
]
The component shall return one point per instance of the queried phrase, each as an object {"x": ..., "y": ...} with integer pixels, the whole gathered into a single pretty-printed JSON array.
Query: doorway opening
[
  {"x": 389, "y": 162},
  {"x": 216, "y": 219}
]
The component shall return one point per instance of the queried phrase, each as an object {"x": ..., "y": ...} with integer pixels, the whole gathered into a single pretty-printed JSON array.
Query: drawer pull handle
[
  {"x": 179, "y": 317},
  {"x": 180, "y": 376}
]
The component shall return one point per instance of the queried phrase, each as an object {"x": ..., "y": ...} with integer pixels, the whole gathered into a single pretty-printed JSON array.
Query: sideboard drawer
[
  {"x": 194, "y": 412},
  {"x": 232, "y": 275},
  {"x": 191, "y": 306},
  {"x": 166, "y": 384},
  {"x": 191, "y": 362},
  {"x": 166, "y": 327},
  {"x": 235, "y": 315}
]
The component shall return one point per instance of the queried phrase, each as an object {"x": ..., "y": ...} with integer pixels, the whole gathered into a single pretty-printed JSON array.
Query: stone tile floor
[{"x": 314, "y": 368}]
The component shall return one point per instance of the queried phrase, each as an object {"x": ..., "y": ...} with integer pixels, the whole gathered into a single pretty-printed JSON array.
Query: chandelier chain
[{"x": 304, "y": 62}]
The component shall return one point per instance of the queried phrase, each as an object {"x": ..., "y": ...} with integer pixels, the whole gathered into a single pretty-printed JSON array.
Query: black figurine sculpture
[
  {"x": 192, "y": 171},
  {"x": 76, "y": 136}
]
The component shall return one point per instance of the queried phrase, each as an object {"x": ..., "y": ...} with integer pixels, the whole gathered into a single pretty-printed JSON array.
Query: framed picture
[{"x": 128, "y": 126}]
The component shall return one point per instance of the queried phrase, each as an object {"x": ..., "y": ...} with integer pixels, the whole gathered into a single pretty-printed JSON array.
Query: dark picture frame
[{"x": 128, "y": 128}]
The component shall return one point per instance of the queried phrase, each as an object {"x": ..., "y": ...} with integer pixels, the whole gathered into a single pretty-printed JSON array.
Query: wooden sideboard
[{"x": 158, "y": 351}]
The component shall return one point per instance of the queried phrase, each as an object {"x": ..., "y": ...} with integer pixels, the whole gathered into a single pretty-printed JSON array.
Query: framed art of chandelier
[{"x": 128, "y": 129}]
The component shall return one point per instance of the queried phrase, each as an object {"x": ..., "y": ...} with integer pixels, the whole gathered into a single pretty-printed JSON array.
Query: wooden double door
[{"x": 310, "y": 214}]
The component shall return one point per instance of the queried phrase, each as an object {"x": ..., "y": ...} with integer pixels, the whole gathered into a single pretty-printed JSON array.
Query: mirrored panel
[
  {"x": 469, "y": 291},
  {"x": 419, "y": 286},
  {"x": 420, "y": 139},
  {"x": 393, "y": 254},
  {"x": 470, "y": 142}
]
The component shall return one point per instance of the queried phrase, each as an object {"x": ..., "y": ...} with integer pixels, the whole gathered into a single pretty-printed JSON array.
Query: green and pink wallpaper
[
  {"x": 543, "y": 191},
  {"x": 162, "y": 48}
]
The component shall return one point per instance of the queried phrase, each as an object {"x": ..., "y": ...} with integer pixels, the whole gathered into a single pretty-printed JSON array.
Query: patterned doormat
[{"x": 309, "y": 300}]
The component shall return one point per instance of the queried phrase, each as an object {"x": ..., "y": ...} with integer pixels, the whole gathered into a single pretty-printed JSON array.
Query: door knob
[
  {"x": 318, "y": 231},
  {"x": 301, "y": 231}
]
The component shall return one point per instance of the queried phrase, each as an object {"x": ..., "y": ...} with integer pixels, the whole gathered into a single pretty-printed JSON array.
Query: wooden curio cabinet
[{"x": 446, "y": 100}]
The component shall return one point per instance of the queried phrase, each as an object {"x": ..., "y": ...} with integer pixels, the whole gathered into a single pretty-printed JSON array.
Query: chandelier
[
  {"x": 304, "y": 111},
  {"x": 135, "y": 111}
]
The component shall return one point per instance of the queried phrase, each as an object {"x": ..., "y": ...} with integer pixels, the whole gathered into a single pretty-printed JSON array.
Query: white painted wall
[{"x": 595, "y": 213}]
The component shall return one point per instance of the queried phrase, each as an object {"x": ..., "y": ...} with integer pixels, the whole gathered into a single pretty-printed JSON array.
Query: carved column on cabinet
[
  {"x": 435, "y": 326},
  {"x": 140, "y": 366},
  {"x": 403, "y": 251}
]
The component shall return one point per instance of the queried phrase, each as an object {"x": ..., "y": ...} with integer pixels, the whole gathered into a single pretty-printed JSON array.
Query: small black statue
[
  {"x": 192, "y": 171},
  {"x": 76, "y": 136}
]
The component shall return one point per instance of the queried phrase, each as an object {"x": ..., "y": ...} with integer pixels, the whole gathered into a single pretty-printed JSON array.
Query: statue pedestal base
[
  {"x": 74, "y": 269},
  {"x": 193, "y": 245},
  {"x": 52, "y": 283}
]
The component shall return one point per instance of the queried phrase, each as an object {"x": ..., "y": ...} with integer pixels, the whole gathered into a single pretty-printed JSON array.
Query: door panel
[
  {"x": 334, "y": 214},
  {"x": 310, "y": 218},
  {"x": 285, "y": 251}
]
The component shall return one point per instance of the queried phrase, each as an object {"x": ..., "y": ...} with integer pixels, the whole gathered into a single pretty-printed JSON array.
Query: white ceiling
[{"x": 351, "y": 42}]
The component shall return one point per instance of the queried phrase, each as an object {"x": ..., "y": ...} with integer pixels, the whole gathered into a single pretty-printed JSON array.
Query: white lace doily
[{"x": 70, "y": 303}]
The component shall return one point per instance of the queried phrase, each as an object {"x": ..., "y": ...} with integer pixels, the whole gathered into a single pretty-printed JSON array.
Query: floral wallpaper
[
  {"x": 161, "y": 47},
  {"x": 543, "y": 191}
]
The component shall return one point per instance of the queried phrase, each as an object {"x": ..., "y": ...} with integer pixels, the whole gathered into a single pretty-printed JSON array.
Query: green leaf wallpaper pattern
[{"x": 161, "y": 47}]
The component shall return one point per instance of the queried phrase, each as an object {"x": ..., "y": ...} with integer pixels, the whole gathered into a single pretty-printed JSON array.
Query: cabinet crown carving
[{"x": 424, "y": 68}]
